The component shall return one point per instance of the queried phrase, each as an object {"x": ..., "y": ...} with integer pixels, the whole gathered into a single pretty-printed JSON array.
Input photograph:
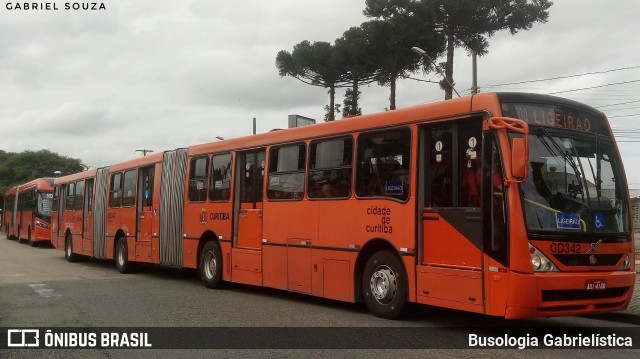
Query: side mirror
[{"x": 519, "y": 158}]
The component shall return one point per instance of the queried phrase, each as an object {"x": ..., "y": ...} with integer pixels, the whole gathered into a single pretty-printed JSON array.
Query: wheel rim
[
  {"x": 68, "y": 249},
  {"x": 383, "y": 284},
  {"x": 121, "y": 254},
  {"x": 210, "y": 264}
]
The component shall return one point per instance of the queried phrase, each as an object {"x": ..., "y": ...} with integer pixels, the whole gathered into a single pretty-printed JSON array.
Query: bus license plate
[{"x": 596, "y": 284}]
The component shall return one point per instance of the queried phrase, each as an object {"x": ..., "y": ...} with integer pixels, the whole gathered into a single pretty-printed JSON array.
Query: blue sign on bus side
[
  {"x": 392, "y": 188},
  {"x": 567, "y": 220}
]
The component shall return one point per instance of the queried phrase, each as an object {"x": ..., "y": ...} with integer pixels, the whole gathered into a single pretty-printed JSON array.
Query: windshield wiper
[{"x": 568, "y": 159}]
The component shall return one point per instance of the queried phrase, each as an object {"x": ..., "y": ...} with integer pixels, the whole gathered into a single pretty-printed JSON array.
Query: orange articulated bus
[
  {"x": 506, "y": 204},
  {"x": 27, "y": 211}
]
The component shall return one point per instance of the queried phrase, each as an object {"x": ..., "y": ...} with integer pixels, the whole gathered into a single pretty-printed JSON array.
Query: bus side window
[
  {"x": 384, "y": 163},
  {"x": 286, "y": 172},
  {"x": 79, "y": 196},
  {"x": 198, "y": 179},
  {"x": 70, "y": 193},
  {"x": 220, "y": 187},
  {"x": 115, "y": 192},
  {"x": 129, "y": 188},
  {"x": 56, "y": 199},
  {"x": 330, "y": 168}
]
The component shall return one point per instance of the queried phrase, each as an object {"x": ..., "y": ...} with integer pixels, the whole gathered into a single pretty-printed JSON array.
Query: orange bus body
[
  {"x": 356, "y": 210},
  {"x": 27, "y": 210}
]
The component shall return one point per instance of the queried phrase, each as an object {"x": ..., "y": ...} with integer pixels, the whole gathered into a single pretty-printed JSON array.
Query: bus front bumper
[{"x": 560, "y": 294}]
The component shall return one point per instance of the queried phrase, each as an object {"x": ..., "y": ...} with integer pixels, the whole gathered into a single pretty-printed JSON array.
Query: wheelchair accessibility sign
[{"x": 598, "y": 220}]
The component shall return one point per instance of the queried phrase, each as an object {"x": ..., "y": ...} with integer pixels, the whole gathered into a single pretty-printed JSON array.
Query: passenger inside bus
[
  {"x": 539, "y": 213},
  {"x": 328, "y": 191},
  {"x": 471, "y": 180}
]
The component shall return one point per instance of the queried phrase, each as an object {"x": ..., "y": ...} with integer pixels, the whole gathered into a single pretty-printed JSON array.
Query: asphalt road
[{"x": 39, "y": 288}]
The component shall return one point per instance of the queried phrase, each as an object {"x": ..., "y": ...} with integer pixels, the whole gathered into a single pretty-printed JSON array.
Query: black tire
[
  {"x": 18, "y": 237},
  {"x": 31, "y": 242},
  {"x": 122, "y": 256},
  {"x": 384, "y": 285},
  {"x": 210, "y": 265},
  {"x": 68, "y": 250}
]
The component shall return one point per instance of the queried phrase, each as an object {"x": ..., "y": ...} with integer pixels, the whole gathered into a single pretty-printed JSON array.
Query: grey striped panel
[
  {"x": 100, "y": 213},
  {"x": 174, "y": 169}
]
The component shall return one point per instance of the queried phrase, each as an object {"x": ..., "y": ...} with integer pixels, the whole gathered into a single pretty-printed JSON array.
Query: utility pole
[
  {"x": 254, "y": 125},
  {"x": 144, "y": 151},
  {"x": 474, "y": 85}
]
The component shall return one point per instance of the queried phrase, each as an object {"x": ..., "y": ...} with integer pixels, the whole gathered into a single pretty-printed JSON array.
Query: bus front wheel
[
  {"x": 122, "y": 256},
  {"x": 68, "y": 250},
  {"x": 211, "y": 265},
  {"x": 384, "y": 285}
]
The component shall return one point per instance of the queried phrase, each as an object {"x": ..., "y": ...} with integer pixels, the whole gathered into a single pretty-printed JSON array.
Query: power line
[
  {"x": 616, "y": 104},
  {"x": 594, "y": 87},
  {"x": 633, "y": 114},
  {"x": 566, "y": 77}
]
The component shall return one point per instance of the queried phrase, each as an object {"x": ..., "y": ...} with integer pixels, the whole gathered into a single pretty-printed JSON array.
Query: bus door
[
  {"x": 87, "y": 218},
  {"x": 62, "y": 193},
  {"x": 145, "y": 204},
  {"x": 247, "y": 259},
  {"x": 450, "y": 273}
]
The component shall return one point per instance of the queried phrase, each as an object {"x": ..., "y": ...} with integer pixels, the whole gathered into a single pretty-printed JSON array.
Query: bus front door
[
  {"x": 247, "y": 247},
  {"x": 87, "y": 219},
  {"x": 145, "y": 222},
  {"x": 450, "y": 272}
]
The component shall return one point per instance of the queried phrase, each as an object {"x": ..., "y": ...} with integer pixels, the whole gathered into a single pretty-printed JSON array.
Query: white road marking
[{"x": 43, "y": 292}]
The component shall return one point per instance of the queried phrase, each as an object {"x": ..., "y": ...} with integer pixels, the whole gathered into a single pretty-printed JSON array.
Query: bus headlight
[
  {"x": 540, "y": 262},
  {"x": 42, "y": 225},
  {"x": 627, "y": 262}
]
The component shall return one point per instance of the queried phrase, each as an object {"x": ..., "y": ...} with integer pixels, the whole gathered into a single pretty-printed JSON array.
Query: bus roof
[{"x": 43, "y": 184}]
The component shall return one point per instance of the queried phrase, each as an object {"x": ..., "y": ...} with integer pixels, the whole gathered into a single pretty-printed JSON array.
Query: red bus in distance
[{"x": 27, "y": 211}]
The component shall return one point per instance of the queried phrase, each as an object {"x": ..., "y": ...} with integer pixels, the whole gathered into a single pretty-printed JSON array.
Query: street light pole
[
  {"x": 474, "y": 71},
  {"x": 423, "y": 53},
  {"x": 144, "y": 151}
]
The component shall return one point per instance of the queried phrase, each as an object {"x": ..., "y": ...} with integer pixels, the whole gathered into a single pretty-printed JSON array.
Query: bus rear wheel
[
  {"x": 210, "y": 266},
  {"x": 68, "y": 250},
  {"x": 384, "y": 285},
  {"x": 122, "y": 259}
]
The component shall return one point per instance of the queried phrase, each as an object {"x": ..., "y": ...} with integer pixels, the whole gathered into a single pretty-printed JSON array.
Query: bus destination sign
[{"x": 555, "y": 116}]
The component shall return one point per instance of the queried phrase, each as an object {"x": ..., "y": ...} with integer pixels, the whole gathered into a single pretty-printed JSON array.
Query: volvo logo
[
  {"x": 592, "y": 259},
  {"x": 594, "y": 247}
]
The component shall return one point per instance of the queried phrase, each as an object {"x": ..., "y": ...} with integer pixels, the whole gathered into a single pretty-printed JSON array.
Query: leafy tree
[
  {"x": 392, "y": 41},
  {"x": 360, "y": 64},
  {"x": 315, "y": 64},
  {"x": 17, "y": 168},
  {"x": 351, "y": 103},
  {"x": 465, "y": 23},
  {"x": 327, "y": 113}
]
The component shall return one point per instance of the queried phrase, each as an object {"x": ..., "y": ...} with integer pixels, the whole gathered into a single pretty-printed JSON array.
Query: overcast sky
[{"x": 161, "y": 74}]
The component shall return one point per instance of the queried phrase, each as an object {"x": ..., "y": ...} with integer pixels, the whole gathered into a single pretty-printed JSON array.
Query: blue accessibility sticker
[{"x": 598, "y": 220}]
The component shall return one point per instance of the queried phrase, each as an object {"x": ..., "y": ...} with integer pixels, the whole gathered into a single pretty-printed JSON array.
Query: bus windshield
[
  {"x": 575, "y": 184},
  {"x": 44, "y": 203}
]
